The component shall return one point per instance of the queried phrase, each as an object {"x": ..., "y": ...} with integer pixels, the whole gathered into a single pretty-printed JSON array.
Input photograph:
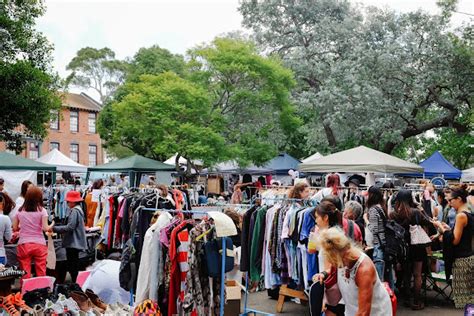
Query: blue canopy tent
[
  {"x": 282, "y": 163},
  {"x": 437, "y": 166}
]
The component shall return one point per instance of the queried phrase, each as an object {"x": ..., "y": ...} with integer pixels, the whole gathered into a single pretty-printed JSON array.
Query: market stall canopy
[
  {"x": 468, "y": 175},
  {"x": 11, "y": 162},
  {"x": 360, "y": 159},
  {"x": 134, "y": 163},
  {"x": 182, "y": 161},
  {"x": 282, "y": 163},
  {"x": 313, "y": 157},
  {"x": 232, "y": 167},
  {"x": 61, "y": 161},
  {"x": 437, "y": 166}
]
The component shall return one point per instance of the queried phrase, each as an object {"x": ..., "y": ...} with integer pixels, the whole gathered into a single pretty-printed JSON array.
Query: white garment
[
  {"x": 321, "y": 194},
  {"x": 144, "y": 272},
  {"x": 18, "y": 203},
  {"x": 381, "y": 304},
  {"x": 104, "y": 281}
]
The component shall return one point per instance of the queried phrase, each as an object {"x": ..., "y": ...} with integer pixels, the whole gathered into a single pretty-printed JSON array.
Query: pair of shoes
[
  {"x": 69, "y": 305},
  {"x": 84, "y": 303},
  {"x": 96, "y": 300},
  {"x": 19, "y": 303},
  {"x": 38, "y": 297},
  {"x": 6, "y": 305}
]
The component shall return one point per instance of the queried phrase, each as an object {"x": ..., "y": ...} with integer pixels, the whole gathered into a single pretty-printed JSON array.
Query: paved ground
[{"x": 261, "y": 302}]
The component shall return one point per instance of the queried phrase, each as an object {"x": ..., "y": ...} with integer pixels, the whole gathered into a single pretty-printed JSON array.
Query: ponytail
[{"x": 329, "y": 209}]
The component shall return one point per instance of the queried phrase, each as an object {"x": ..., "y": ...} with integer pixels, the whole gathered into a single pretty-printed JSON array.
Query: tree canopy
[
  {"x": 97, "y": 69},
  {"x": 27, "y": 87},
  {"x": 163, "y": 114},
  {"x": 373, "y": 77}
]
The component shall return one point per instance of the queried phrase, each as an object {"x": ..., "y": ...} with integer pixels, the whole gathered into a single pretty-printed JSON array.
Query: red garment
[
  {"x": 357, "y": 232},
  {"x": 118, "y": 224},
  {"x": 28, "y": 253},
  {"x": 177, "y": 254},
  {"x": 178, "y": 199},
  {"x": 111, "y": 223}
]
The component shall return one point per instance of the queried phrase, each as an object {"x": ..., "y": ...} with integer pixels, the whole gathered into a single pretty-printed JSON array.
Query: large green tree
[
  {"x": 154, "y": 60},
  {"x": 97, "y": 69},
  {"x": 368, "y": 76},
  {"x": 160, "y": 115},
  {"x": 252, "y": 94},
  {"x": 27, "y": 87}
]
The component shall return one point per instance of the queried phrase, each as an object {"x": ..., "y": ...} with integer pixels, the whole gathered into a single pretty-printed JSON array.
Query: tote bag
[{"x": 418, "y": 236}]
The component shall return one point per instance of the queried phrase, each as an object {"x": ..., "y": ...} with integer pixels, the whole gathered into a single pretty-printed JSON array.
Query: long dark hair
[
  {"x": 8, "y": 203},
  {"x": 460, "y": 191},
  {"x": 33, "y": 200},
  {"x": 404, "y": 204},
  {"x": 442, "y": 195},
  {"x": 24, "y": 187},
  {"x": 375, "y": 197},
  {"x": 328, "y": 208}
]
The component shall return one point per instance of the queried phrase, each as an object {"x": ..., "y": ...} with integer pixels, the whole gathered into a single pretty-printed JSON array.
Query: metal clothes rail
[{"x": 222, "y": 294}]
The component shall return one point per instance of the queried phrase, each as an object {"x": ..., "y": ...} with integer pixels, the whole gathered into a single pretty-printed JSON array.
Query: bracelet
[{"x": 325, "y": 274}]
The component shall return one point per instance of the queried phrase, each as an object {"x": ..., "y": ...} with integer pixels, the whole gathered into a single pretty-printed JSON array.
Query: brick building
[{"x": 73, "y": 132}]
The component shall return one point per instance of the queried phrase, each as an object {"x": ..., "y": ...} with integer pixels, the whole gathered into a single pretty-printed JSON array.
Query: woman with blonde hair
[{"x": 360, "y": 287}]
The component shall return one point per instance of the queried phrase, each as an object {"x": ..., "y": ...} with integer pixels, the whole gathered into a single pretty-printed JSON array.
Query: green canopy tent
[
  {"x": 134, "y": 165},
  {"x": 15, "y": 169},
  {"x": 11, "y": 162}
]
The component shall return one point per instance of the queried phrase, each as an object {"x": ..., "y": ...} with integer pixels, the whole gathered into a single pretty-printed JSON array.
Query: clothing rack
[
  {"x": 222, "y": 294},
  {"x": 284, "y": 290}
]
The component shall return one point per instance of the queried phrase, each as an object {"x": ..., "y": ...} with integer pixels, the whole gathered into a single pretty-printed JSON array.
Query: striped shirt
[{"x": 376, "y": 224}]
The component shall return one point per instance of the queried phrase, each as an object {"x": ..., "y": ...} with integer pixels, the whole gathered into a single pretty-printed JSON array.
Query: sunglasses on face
[{"x": 449, "y": 200}]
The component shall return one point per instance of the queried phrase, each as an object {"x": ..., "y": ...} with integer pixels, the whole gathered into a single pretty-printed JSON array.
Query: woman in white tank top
[{"x": 358, "y": 282}]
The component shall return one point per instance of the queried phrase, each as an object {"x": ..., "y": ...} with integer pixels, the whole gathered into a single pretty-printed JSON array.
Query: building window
[
  {"x": 74, "y": 124},
  {"x": 33, "y": 150},
  {"x": 92, "y": 121},
  {"x": 54, "y": 121},
  {"x": 74, "y": 152},
  {"x": 53, "y": 145},
  {"x": 92, "y": 155}
]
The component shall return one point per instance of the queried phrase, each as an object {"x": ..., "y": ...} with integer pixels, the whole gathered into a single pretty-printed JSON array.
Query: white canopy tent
[
  {"x": 182, "y": 161},
  {"x": 360, "y": 159},
  {"x": 62, "y": 162},
  {"x": 313, "y": 157},
  {"x": 467, "y": 175}
]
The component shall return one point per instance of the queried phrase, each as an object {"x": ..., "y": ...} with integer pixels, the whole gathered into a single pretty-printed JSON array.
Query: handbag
[
  {"x": 418, "y": 236},
  {"x": 333, "y": 295},
  {"x": 51, "y": 258},
  {"x": 213, "y": 256}
]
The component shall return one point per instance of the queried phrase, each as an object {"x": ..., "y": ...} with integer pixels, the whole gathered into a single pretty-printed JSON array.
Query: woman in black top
[
  {"x": 459, "y": 241},
  {"x": 407, "y": 214}
]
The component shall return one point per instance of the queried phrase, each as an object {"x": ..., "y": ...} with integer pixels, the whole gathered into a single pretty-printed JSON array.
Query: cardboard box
[{"x": 234, "y": 295}]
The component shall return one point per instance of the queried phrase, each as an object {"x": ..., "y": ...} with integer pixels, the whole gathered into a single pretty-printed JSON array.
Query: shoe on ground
[
  {"x": 8, "y": 306},
  {"x": 17, "y": 300},
  {"x": 96, "y": 300}
]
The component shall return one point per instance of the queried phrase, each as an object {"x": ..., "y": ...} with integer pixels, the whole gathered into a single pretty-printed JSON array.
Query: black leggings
[{"x": 72, "y": 256}]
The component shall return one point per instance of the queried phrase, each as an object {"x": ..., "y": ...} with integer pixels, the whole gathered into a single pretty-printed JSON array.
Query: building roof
[{"x": 81, "y": 101}]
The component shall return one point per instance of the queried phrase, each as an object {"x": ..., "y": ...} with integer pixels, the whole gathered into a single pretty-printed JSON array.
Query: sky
[{"x": 177, "y": 25}]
